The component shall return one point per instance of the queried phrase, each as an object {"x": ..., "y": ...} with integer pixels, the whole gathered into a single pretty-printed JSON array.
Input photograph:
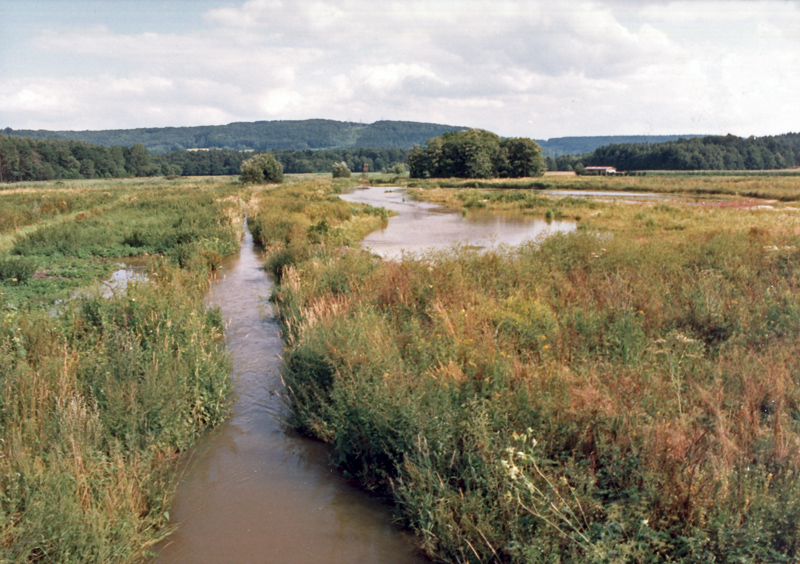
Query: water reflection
[
  {"x": 422, "y": 226},
  {"x": 252, "y": 492}
]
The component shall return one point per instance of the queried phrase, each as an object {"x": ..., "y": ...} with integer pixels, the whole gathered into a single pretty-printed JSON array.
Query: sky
[{"x": 525, "y": 68}]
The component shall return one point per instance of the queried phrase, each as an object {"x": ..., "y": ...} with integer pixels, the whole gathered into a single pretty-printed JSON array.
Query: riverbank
[
  {"x": 99, "y": 396},
  {"x": 625, "y": 392}
]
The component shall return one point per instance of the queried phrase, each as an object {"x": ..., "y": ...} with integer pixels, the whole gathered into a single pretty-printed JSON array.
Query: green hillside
[
  {"x": 557, "y": 146},
  {"x": 260, "y": 135}
]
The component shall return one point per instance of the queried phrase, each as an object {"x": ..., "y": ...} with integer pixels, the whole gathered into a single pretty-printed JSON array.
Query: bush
[
  {"x": 340, "y": 170},
  {"x": 16, "y": 268},
  {"x": 263, "y": 168}
]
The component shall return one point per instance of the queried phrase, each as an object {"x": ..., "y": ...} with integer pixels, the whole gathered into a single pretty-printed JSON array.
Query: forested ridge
[
  {"x": 259, "y": 136},
  {"x": 580, "y": 145},
  {"x": 314, "y": 134}
]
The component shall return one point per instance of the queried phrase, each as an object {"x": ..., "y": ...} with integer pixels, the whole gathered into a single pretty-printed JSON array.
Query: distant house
[{"x": 599, "y": 170}]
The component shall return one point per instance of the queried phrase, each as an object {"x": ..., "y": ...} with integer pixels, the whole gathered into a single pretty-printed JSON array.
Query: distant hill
[
  {"x": 557, "y": 146},
  {"x": 315, "y": 134}
]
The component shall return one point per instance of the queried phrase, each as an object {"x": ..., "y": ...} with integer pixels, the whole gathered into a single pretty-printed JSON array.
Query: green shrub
[
  {"x": 20, "y": 269},
  {"x": 260, "y": 169}
]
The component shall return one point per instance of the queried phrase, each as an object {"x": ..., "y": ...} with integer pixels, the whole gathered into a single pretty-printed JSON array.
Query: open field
[
  {"x": 98, "y": 396},
  {"x": 625, "y": 393}
]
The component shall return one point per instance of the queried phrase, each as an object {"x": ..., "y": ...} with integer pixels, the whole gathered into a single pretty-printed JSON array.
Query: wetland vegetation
[
  {"x": 627, "y": 392},
  {"x": 98, "y": 396}
]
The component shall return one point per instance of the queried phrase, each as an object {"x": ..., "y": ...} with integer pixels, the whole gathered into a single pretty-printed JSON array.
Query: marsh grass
[
  {"x": 98, "y": 397},
  {"x": 623, "y": 393}
]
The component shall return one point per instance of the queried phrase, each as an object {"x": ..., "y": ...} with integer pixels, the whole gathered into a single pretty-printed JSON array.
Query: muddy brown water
[
  {"x": 253, "y": 492},
  {"x": 420, "y": 226}
]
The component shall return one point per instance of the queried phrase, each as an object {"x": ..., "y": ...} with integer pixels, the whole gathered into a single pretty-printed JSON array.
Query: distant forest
[
  {"x": 24, "y": 159},
  {"x": 700, "y": 153},
  {"x": 314, "y": 134}
]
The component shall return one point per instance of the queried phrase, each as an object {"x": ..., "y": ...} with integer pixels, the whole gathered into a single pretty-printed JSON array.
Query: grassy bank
[
  {"x": 625, "y": 393},
  {"x": 98, "y": 395}
]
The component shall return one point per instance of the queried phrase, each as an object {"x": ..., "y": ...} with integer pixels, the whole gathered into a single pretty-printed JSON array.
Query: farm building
[{"x": 600, "y": 170}]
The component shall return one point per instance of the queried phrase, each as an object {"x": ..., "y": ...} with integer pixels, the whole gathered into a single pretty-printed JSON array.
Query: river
[{"x": 252, "y": 491}]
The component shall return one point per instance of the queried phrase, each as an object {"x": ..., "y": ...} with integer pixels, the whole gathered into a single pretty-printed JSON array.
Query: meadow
[
  {"x": 100, "y": 396},
  {"x": 627, "y": 392}
]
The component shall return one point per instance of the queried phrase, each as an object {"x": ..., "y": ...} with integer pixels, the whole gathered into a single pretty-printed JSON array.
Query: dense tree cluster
[
  {"x": 48, "y": 159},
  {"x": 476, "y": 153},
  {"x": 700, "y": 153}
]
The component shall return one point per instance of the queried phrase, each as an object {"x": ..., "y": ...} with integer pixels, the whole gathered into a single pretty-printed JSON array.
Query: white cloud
[{"x": 531, "y": 68}]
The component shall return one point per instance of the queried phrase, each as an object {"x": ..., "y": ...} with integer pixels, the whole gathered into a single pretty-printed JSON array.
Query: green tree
[
  {"x": 524, "y": 157},
  {"x": 263, "y": 168},
  {"x": 475, "y": 153}
]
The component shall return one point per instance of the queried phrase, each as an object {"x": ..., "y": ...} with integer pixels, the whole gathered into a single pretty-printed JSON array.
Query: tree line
[
  {"x": 468, "y": 153},
  {"x": 715, "y": 152},
  {"x": 24, "y": 159},
  {"x": 27, "y": 159}
]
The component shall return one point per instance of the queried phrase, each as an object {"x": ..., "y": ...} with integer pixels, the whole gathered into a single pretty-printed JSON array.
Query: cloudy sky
[{"x": 534, "y": 68}]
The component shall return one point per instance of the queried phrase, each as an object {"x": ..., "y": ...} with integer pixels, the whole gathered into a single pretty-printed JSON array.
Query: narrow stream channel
[{"x": 253, "y": 492}]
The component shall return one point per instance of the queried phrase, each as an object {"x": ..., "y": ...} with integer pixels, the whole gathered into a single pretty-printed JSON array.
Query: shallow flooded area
[
  {"x": 131, "y": 269},
  {"x": 253, "y": 492},
  {"x": 422, "y": 226}
]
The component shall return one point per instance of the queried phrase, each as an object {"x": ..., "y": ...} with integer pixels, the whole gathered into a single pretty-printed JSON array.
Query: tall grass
[
  {"x": 98, "y": 397},
  {"x": 624, "y": 396}
]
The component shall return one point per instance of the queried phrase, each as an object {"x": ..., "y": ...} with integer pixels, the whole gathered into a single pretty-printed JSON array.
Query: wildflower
[{"x": 544, "y": 348}]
